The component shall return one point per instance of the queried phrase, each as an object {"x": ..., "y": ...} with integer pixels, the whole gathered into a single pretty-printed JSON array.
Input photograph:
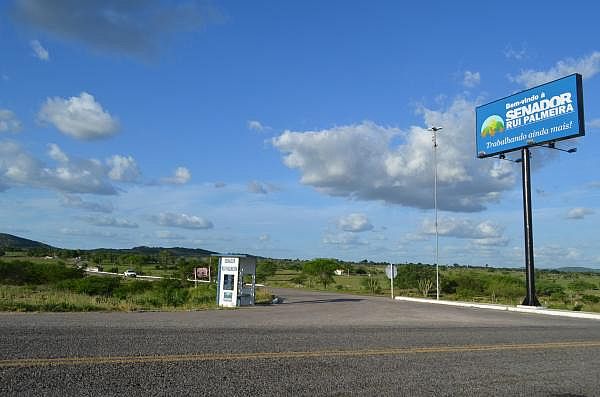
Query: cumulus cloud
[
  {"x": 122, "y": 168},
  {"x": 167, "y": 235},
  {"x": 110, "y": 221},
  {"x": 180, "y": 176},
  {"x": 56, "y": 154},
  {"x": 79, "y": 117},
  {"x": 39, "y": 51},
  {"x": 587, "y": 66},
  {"x": 255, "y": 125},
  {"x": 182, "y": 221},
  {"x": 371, "y": 162},
  {"x": 73, "y": 201},
  {"x": 19, "y": 168},
  {"x": 579, "y": 213},
  {"x": 86, "y": 233},
  {"x": 511, "y": 53},
  {"x": 9, "y": 122},
  {"x": 595, "y": 123},
  {"x": 257, "y": 188},
  {"x": 471, "y": 79},
  {"x": 134, "y": 28},
  {"x": 462, "y": 228},
  {"x": 354, "y": 223},
  {"x": 344, "y": 240}
]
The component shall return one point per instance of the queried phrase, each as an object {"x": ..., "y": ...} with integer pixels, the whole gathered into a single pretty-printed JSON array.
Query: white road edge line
[{"x": 521, "y": 309}]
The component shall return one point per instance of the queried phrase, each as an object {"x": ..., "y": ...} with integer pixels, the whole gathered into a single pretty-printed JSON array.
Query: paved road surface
[{"x": 312, "y": 344}]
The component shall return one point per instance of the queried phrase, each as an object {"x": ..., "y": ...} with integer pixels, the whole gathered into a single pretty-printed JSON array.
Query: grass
[{"x": 567, "y": 291}]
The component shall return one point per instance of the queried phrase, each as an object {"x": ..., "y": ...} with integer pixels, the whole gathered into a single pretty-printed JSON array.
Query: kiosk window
[{"x": 228, "y": 282}]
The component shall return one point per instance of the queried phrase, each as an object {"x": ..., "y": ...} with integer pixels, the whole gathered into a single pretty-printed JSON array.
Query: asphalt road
[{"x": 312, "y": 344}]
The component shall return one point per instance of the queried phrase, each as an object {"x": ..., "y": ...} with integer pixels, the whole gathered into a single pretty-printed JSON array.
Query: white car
[{"x": 129, "y": 273}]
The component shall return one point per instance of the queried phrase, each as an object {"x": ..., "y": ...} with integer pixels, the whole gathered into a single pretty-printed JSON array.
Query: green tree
[
  {"x": 265, "y": 269},
  {"x": 372, "y": 284},
  {"x": 321, "y": 269}
]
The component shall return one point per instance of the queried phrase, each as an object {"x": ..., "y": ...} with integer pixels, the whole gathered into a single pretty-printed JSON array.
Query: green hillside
[{"x": 8, "y": 241}]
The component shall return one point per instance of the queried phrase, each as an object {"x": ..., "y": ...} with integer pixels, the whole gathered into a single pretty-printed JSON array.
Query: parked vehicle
[{"x": 129, "y": 273}]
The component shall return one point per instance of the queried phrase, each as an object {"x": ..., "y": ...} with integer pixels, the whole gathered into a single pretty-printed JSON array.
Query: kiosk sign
[{"x": 546, "y": 113}]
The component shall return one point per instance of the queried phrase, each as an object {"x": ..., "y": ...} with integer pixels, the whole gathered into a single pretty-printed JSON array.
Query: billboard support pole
[{"x": 531, "y": 298}]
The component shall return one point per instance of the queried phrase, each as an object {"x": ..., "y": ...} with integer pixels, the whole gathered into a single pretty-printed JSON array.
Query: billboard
[{"x": 546, "y": 113}]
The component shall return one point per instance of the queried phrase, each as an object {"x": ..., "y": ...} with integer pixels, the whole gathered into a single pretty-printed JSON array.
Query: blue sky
[{"x": 290, "y": 129}]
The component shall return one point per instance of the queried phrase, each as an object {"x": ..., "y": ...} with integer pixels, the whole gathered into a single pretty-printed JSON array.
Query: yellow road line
[{"x": 70, "y": 361}]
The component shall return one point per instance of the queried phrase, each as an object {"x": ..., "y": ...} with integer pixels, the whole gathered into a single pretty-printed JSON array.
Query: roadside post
[{"x": 391, "y": 271}]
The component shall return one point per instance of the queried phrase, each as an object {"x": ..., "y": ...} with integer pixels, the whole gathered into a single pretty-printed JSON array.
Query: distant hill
[
  {"x": 8, "y": 241},
  {"x": 575, "y": 269},
  {"x": 143, "y": 250}
]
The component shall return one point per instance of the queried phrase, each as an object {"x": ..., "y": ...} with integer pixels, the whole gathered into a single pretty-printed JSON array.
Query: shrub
[
  {"x": 409, "y": 275},
  {"x": 171, "y": 292},
  {"x": 590, "y": 298},
  {"x": 133, "y": 287},
  {"x": 24, "y": 272},
  {"x": 92, "y": 285}
]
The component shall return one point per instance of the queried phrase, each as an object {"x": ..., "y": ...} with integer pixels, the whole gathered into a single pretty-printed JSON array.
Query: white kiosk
[{"x": 237, "y": 280}]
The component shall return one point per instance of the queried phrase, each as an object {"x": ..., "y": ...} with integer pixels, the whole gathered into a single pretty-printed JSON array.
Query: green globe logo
[{"x": 492, "y": 125}]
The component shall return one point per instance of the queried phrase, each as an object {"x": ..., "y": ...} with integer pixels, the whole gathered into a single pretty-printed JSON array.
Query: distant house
[{"x": 339, "y": 272}]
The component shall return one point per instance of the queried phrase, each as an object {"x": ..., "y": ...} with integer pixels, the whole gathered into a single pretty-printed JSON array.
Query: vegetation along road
[{"x": 312, "y": 344}]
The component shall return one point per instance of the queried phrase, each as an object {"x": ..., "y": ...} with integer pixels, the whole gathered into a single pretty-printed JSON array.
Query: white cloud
[
  {"x": 110, "y": 221},
  {"x": 263, "y": 238},
  {"x": 363, "y": 161},
  {"x": 77, "y": 202},
  {"x": 122, "y": 168},
  {"x": 39, "y": 51},
  {"x": 19, "y": 168},
  {"x": 344, "y": 240},
  {"x": 57, "y": 154},
  {"x": 257, "y": 188},
  {"x": 579, "y": 213},
  {"x": 79, "y": 117},
  {"x": 463, "y": 228},
  {"x": 182, "y": 221},
  {"x": 511, "y": 53},
  {"x": 9, "y": 122},
  {"x": 587, "y": 66},
  {"x": 181, "y": 176},
  {"x": 219, "y": 185},
  {"x": 471, "y": 79},
  {"x": 595, "y": 123},
  {"x": 255, "y": 125},
  {"x": 87, "y": 233},
  {"x": 354, "y": 223},
  {"x": 167, "y": 235},
  {"x": 136, "y": 28}
]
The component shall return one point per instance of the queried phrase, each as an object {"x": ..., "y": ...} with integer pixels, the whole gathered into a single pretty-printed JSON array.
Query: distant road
[{"x": 313, "y": 344}]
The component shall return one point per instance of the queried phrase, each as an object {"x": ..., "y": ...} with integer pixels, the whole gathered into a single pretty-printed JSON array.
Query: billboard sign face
[{"x": 546, "y": 113}]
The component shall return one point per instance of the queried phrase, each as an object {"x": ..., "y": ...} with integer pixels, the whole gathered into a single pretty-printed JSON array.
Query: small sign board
[
  {"x": 546, "y": 113},
  {"x": 391, "y": 271},
  {"x": 201, "y": 272}
]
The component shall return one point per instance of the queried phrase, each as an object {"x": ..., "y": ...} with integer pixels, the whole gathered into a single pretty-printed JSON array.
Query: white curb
[{"x": 520, "y": 309}]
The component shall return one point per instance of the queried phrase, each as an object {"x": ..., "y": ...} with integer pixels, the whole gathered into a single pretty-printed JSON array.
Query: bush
[
  {"x": 134, "y": 287},
  {"x": 409, "y": 275},
  {"x": 171, "y": 292},
  {"x": 24, "y": 272},
  {"x": 92, "y": 285},
  {"x": 590, "y": 298},
  {"x": 549, "y": 288}
]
